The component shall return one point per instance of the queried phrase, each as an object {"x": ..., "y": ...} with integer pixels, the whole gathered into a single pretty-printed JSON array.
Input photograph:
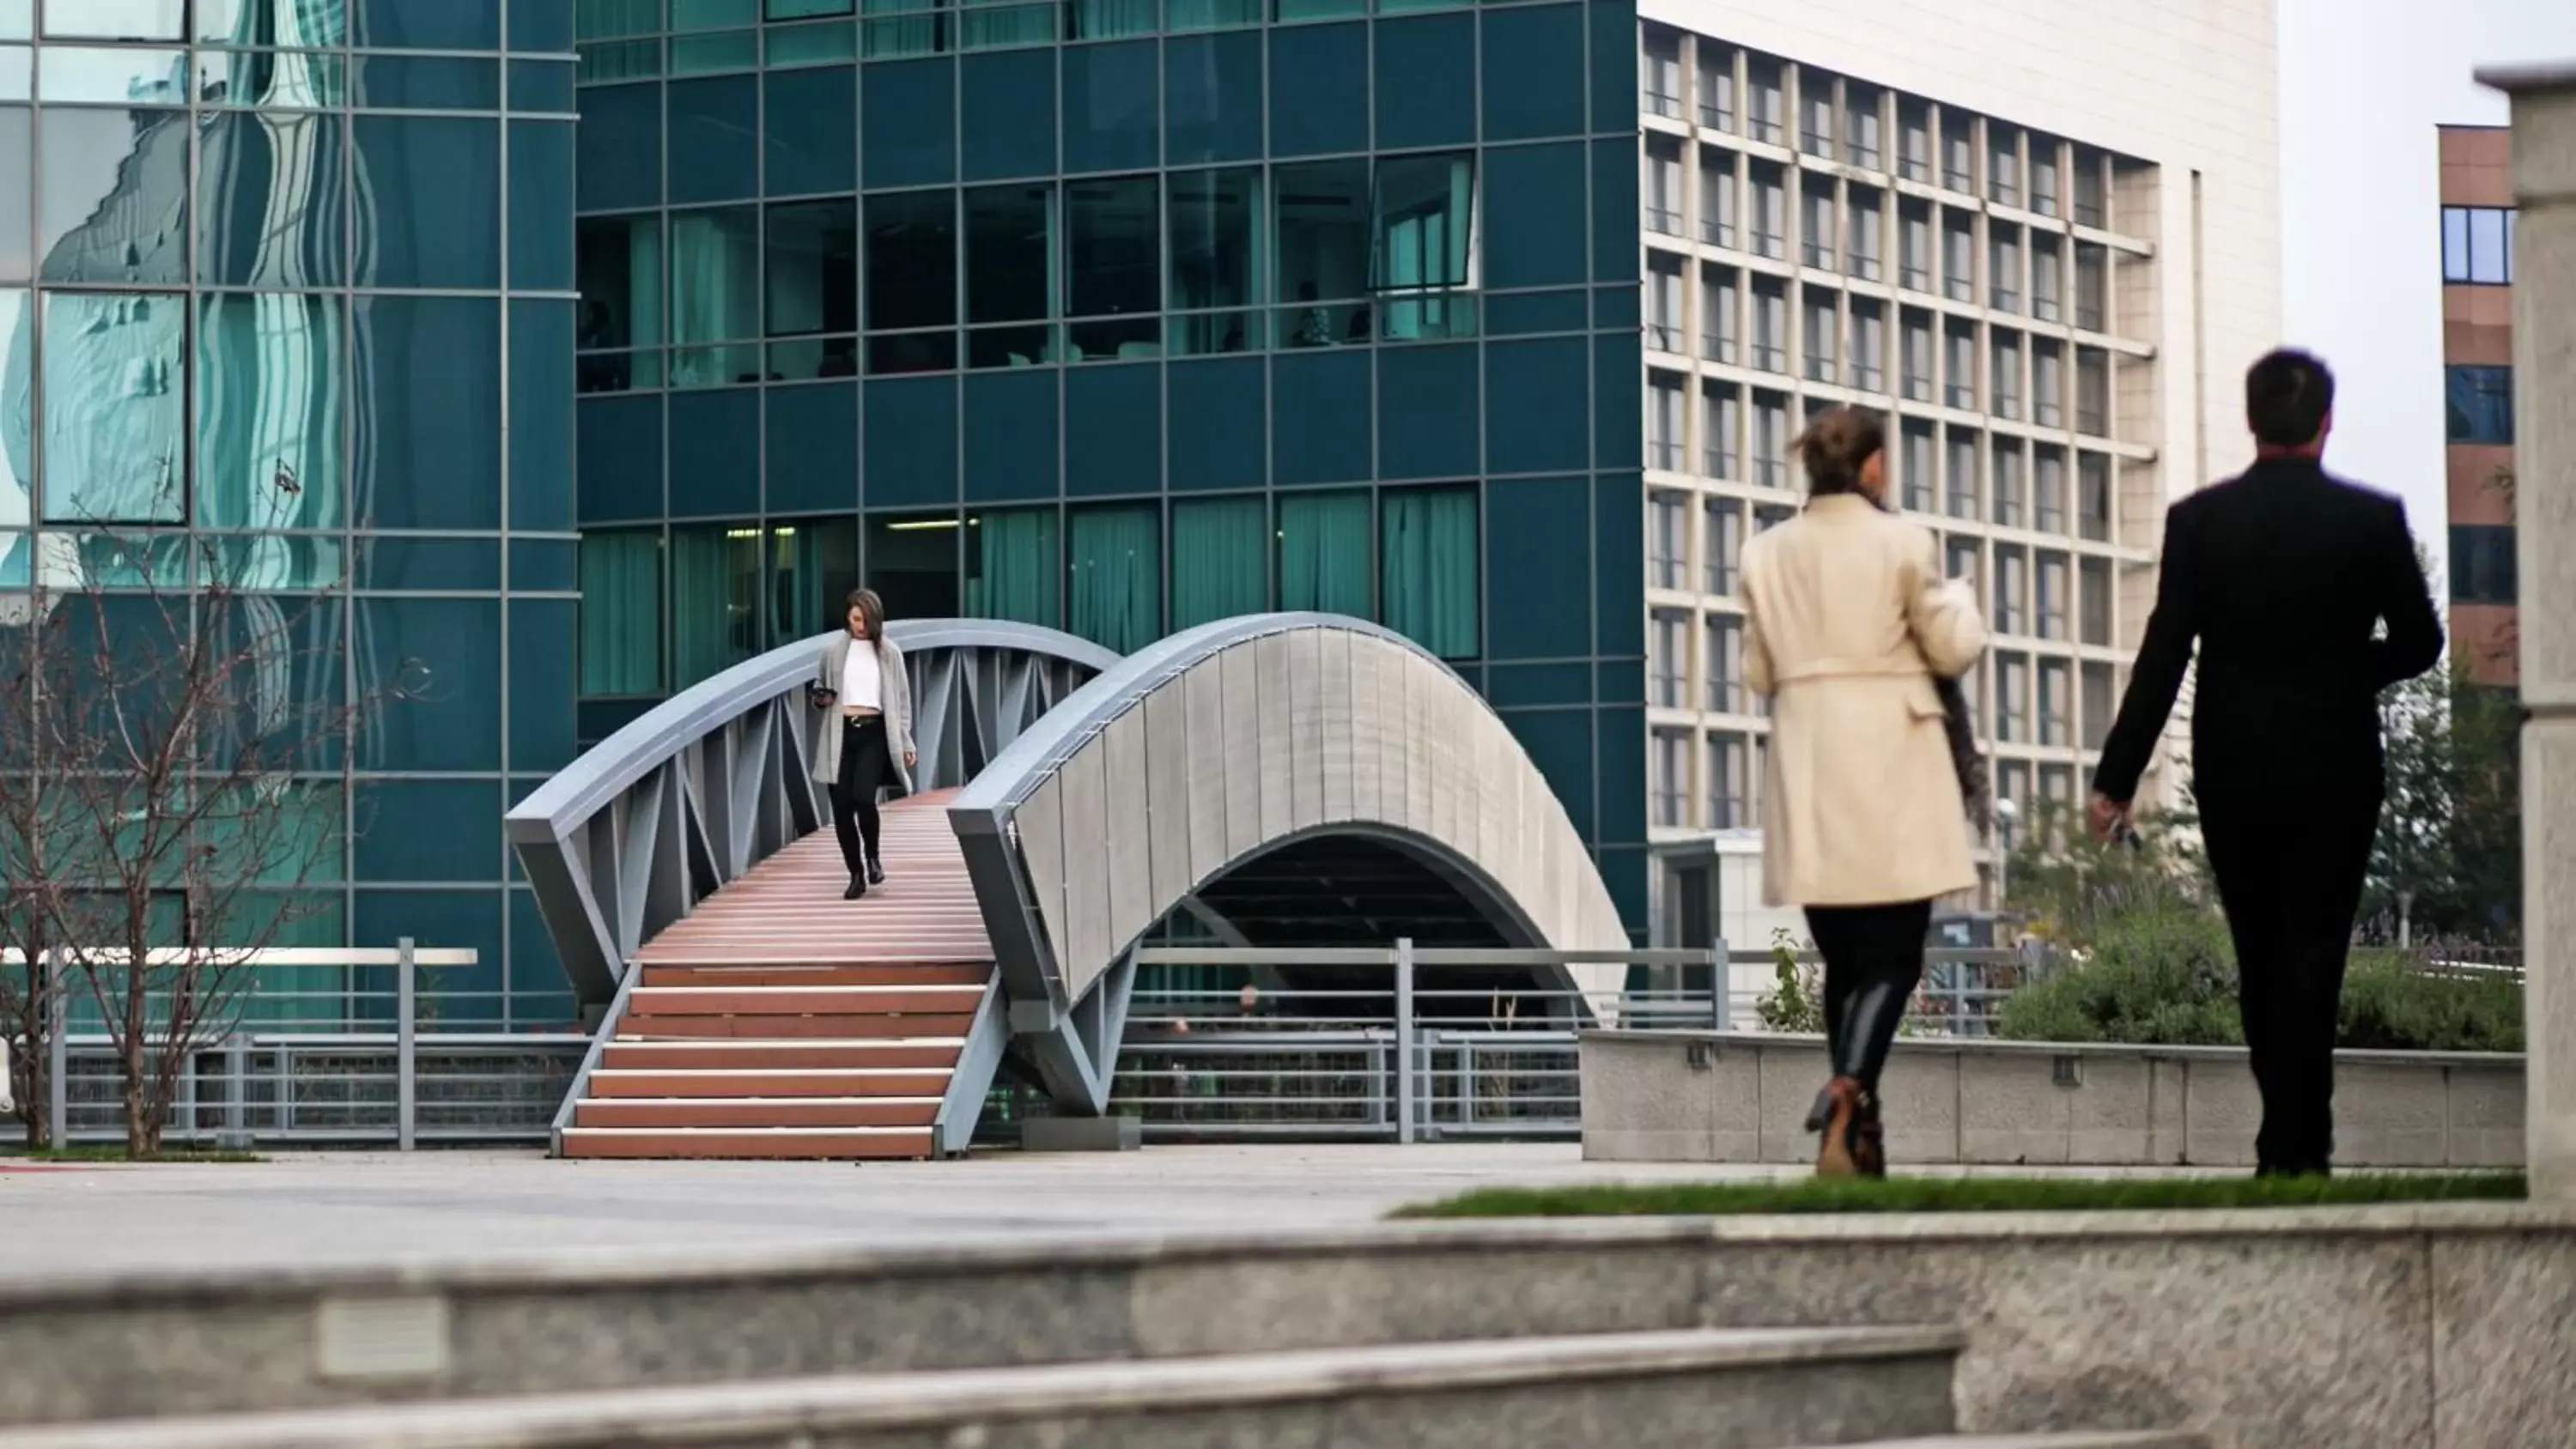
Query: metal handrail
[{"x": 700, "y": 788}]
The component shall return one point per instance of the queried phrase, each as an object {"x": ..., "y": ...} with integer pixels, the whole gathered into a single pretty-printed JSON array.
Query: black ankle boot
[
  {"x": 858, "y": 888},
  {"x": 876, "y": 871}
]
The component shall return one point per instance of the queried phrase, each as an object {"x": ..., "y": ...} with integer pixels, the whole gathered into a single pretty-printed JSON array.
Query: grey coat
[{"x": 898, "y": 711}]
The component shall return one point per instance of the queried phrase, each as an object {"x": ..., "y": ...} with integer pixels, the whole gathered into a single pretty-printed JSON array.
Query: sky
[{"x": 2363, "y": 85}]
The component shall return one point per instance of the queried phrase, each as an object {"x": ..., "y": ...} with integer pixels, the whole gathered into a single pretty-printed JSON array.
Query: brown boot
[
  {"x": 1869, "y": 1138},
  {"x": 1835, "y": 1115}
]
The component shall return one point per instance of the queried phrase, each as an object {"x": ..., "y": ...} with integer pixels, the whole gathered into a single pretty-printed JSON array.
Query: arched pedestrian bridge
[{"x": 1283, "y": 779}]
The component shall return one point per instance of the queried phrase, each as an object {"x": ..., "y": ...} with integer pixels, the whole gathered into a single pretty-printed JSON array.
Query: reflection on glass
[
  {"x": 117, "y": 19},
  {"x": 715, "y": 292},
  {"x": 1217, "y": 236},
  {"x": 17, "y": 421},
  {"x": 17, "y": 173},
  {"x": 273, "y": 561},
  {"x": 269, "y": 411},
  {"x": 272, "y": 80},
  {"x": 115, "y": 424},
  {"x": 1010, "y": 272},
  {"x": 113, "y": 204},
  {"x": 1322, "y": 213},
  {"x": 911, "y": 261},
  {"x": 1425, "y": 227},
  {"x": 813, "y": 268},
  {"x": 18, "y": 19},
  {"x": 115, "y": 77},
  {"x": 618, "y": 263},
  {"x": 270, "y": 207},
  {"x": 274, "y": 22},
  {"x": 17, "y": 73},
  {"x": 1113, "y": 266},
  {"x": 428, "y": 83}
]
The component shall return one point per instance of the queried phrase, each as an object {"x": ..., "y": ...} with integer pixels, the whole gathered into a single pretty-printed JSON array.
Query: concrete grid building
[
  {"x": 2477, "y": 378},
  {"x": 2044, "y": 244}
]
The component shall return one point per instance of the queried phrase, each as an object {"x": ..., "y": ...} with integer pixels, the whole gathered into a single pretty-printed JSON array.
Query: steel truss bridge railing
[{"x": 654, "y": 819}]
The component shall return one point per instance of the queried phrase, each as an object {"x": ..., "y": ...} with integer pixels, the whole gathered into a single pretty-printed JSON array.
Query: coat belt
[{"x": 1852, "y": 669}]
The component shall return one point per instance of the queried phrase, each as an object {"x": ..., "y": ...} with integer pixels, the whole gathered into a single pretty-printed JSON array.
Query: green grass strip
[{"x": 1966, "y": 1195}]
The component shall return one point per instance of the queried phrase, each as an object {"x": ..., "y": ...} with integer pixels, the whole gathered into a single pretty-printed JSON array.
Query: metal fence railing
[{"x": 336, "y": 1047}]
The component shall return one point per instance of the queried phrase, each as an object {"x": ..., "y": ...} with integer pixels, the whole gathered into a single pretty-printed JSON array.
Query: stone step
[
  {"x": 1673, "y": 1389},
  {"x": 669, "y": 1112},
  {"x": 758, "y": 1143},
  {"x": 2132, "y": 1439}
]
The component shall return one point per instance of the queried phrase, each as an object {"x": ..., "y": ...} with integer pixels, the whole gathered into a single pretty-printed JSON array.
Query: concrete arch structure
[{"x": 1223, "y": 744}]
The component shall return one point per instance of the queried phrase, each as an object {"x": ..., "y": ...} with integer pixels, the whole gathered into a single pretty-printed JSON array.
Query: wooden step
[
  {"x": 723, "y": 1056},
  {"x": 888, "y": 973},
  {"x": 801, "y": 1000},
  {"x": 757, "y": 1112},
  {"x": 844, "y": 1082},
  {"x": 798, "y": 1028},
  {"x": 749, "y": 1142}
]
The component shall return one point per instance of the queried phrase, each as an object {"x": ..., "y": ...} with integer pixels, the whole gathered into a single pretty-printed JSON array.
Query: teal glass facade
[
  {"x": 572, "y": 350},
  {"x": 286, "y": 295},
  {"x": 1119, "y": 316}
]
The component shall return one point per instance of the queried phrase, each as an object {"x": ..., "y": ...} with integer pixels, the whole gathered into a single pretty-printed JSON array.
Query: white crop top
[{"x": 862, "y": 677}]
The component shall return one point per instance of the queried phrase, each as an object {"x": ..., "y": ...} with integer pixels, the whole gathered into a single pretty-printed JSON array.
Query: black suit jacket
[{"x": 2282, "y": 576}]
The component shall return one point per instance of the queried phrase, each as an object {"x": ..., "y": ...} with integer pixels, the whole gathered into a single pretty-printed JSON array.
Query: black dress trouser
[
  {"x": 865, "y": 764},
  {"x": 2289, "y": 863},
  {"x": 1873, "y": 961}
]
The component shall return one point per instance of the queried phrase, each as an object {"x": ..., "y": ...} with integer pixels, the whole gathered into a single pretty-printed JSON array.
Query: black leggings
[
  {"x": 1873, "y": 961},
  {"x": 865, "y": 764}
]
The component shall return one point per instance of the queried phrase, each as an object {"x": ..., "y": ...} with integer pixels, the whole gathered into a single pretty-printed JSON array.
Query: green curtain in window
[
  {"x": 991, "y": 27},
  {"x": 1429, "y": 568},
  {"x": 1117, "y": 570},
  {"x": 1422, "y": 242},
  {"x": 1212, "y": 14},
  {"x": 621, "y": 613},
  {"x": 1017, "y": 567},
  {"x": 715, "y": 293},
  {"x": 1324, "y": 553},
  {"x": 606, "y": 57},
  {"x": 1220, "y": 559},
  {"x": 916, "y": 33},
  {"x": 715, "y": 594},
  {"x": 1104, "y": 19}
]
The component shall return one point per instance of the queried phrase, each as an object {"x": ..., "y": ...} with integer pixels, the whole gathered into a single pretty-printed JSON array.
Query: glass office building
[
  {"x": 286, "y": 288},
  {"x": 1120, "y": 316}
]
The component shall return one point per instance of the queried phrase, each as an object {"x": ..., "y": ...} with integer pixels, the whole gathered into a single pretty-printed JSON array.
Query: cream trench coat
[
  {"x": 1847, "y": 618},
  {"x": 897, "y": 689}
]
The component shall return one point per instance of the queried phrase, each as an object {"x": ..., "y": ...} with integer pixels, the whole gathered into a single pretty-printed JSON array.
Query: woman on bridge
[
  {"x": 862, "y": 677},
  {"x": 1853, "y": 633}
]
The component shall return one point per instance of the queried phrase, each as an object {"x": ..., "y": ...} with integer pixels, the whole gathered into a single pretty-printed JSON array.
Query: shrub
[
  {"x": 2169, "y": 979},
  {"x": 2165, "y": 978}
]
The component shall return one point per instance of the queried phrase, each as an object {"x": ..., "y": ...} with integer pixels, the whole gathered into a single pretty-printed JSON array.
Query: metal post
[
  {"x": 1404, "y": 1039},
  {"x": 1721, "y": 988},
  {"x": 58, "y": 1052},
  {"x": 406, "y": 1010},
  {"x": 236, "y": 1135}
]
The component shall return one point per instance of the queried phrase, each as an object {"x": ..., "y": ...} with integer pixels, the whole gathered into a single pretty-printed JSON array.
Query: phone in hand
[{"x": 819, "y": 695}]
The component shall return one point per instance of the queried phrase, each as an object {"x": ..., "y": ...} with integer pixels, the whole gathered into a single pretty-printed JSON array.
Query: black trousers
[
  {"x": 2289, "y": 864},
  {"x": 865, "y": 764},
  {"x": 1873, "y": 961}
]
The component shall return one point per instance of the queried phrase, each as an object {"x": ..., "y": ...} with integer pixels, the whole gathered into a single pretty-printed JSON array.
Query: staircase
[{"x": 781, "y": 1021}]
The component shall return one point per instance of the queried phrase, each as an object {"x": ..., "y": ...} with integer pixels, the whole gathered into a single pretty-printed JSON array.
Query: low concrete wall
[
  {"x": 1714, "y": 1097},
  {"x": 2441, "y": 1325}
]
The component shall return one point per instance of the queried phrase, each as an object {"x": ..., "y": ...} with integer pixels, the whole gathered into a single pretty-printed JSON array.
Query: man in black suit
[{"x": 2285, "y": 577}]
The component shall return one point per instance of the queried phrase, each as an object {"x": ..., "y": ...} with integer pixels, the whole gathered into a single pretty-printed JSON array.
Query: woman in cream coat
[
  {"x": 1848, "y": 621},
  {"x": 861, "y": 679}
]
